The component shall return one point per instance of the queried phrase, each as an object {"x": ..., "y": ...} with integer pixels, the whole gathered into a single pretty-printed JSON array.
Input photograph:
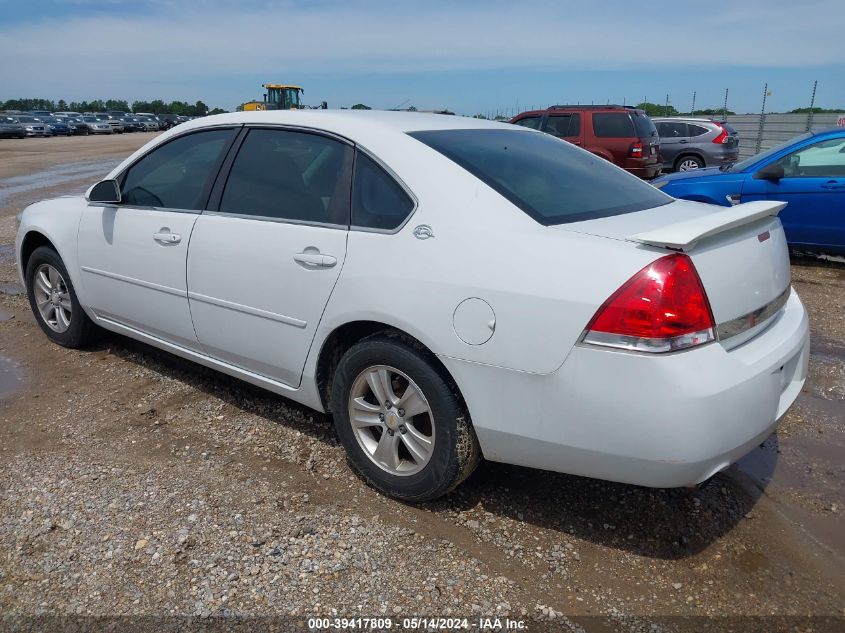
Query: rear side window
[
  {"x": 613, "y": 125},
  {"x": 672, "y": 129},
  {"x": 697, "y": 130},
  {"x": 175, "y": 175},
  {"x": 289, "y": 175},
  {"x": 549, "y": 179},
  {"x": 532, "y": 122},
  {"x": 563, "y": 125},
  {"x": 378, "y": 201}
]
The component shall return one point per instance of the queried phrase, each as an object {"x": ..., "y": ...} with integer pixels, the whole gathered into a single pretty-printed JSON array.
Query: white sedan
[{"x": 447, "y": 288}]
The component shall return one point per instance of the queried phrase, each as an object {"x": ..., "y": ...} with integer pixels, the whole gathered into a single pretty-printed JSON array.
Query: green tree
[
  {"x": 816, "y": 110},
  {"x": 656, "y": 109},
  {"x": 217, "y": 111},
  {"x": 712, "y": 112},
  {"x": 361, "y": 106}
]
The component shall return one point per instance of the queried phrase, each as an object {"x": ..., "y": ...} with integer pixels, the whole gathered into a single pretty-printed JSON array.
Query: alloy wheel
[
  {"x": 52, "y": 298},
  {"x": 391, "y": 420}
]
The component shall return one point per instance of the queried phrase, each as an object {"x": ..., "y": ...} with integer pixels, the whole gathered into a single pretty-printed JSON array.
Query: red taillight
[
  {"x": 636, "y": 150},
  {"x": 722, "y": 138},
  {"x": 662, "y": 308}
]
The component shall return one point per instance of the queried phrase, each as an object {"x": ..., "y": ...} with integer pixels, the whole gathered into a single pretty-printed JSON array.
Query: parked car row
[
  {"x": 630, "y": 139},
  {"x": 44, "y": 123}
]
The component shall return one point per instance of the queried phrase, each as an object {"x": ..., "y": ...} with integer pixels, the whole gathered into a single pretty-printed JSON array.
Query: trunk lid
[{"x": 740, "y": 252}]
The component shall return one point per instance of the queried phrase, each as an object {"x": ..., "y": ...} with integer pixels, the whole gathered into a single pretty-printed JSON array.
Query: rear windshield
[
  {"x": 551, "y": 180},
  {"x": 645, "y": 126}
]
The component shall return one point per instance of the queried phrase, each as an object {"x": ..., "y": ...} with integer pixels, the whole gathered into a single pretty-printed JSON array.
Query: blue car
[{"x": 807, "y": 172}]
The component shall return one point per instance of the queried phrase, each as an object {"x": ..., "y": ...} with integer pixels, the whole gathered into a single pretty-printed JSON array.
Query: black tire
[
  {"x": 455, "y": 453},
  {"x": 81, "y": 331},
  {"x": 691, "y": 158}
]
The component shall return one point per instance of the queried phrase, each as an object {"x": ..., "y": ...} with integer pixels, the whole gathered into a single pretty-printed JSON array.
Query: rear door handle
[
  {"x": 164, "y": 236},
  {"x": 314, "y": 259},
  {"x": 833, "y": 184}
]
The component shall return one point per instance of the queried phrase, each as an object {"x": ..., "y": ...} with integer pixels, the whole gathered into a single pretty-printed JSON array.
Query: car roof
[
  {"x": 349, "y": 123},
  {"x": 682, "y": 118}
]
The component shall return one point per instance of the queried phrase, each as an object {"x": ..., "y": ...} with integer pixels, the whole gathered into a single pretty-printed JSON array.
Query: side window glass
[
  {"x": 557, "y": 125},
  {"x": 575, "y": 125},
  {"x": 673, "y": 129},
  {"x": 290, "y": 176},
  {"x": 697, "y": 130},
  {"x": 532, "y": 121},
  {"x": 175, "y": 174},
  {"x": 825, "y": 159},
  {"x": 613, "y": 125},
  {"x": 378, "y": 202}
]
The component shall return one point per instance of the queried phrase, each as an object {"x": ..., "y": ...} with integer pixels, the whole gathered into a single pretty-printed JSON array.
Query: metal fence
[{"x": 758, "y": 133}]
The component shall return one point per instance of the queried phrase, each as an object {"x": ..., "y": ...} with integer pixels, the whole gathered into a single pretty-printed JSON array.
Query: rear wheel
[
  {"x": 689, "y": 163},
  {"x": 53, "y": 300},
  {"x": 401, "y": 422}
]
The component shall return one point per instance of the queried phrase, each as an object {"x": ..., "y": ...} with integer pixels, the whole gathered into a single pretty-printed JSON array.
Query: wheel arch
[
  {"x": 344, "y": 336},
  {"x": 32, "y": 240}
]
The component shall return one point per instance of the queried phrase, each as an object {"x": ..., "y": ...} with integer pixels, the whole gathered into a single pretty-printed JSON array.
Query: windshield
[
  {"x": 27, "y": 119},
  {"x": 90, "y": 119},
  {"x": 769, "y": 152},
  {"x": 549, "y": 179}
]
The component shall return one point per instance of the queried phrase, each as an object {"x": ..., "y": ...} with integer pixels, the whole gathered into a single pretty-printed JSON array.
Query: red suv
[{"x": 624, "y": 136}]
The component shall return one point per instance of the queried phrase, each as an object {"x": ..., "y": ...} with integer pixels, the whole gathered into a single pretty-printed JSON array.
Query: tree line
[{"x": 104, "y": 105}]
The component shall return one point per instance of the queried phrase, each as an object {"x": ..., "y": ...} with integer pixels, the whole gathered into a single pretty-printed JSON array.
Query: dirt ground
[{"x": 133, "y": 483}]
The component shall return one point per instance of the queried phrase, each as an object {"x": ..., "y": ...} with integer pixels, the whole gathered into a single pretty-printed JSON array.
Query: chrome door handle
[
  {"x": 314, "y": 259},
  {"x": 164, "y": 236}
]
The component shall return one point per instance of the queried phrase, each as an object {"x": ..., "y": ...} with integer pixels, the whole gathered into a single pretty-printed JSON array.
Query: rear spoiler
[{"x": 683, "y": 235}]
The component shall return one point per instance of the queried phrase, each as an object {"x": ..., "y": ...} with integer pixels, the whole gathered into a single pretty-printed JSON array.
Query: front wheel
[
  {"x": 53, "y": 300},
  {"x": 401, "y": 422}
]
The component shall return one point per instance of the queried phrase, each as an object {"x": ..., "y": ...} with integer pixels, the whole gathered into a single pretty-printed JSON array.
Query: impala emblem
[{"x": 423, "y": 232}]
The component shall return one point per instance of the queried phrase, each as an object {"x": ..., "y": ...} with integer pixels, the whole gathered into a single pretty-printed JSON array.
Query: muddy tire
[
  {"x": 53, "y": 301},
  {"x": 401, "y": 421}
]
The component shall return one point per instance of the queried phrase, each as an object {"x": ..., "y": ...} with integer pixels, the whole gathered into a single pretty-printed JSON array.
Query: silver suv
[{"x": 687, "y": 143}]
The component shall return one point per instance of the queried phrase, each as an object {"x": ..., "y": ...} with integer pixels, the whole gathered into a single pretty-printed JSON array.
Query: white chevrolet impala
[{"x": 447, "y": 288}]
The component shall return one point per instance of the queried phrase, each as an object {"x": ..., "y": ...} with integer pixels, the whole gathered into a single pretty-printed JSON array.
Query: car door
[
  {"x": 566, "y": 126},
  {"x": 264, "y": 262},
  {"x": 674, "y": 138},
  {"x": 813, "y": 185},
  {"x": 133, "y": 255}
]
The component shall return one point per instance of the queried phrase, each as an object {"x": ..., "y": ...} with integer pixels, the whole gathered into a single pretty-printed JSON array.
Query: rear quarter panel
[{"x": 543, "y": 285}]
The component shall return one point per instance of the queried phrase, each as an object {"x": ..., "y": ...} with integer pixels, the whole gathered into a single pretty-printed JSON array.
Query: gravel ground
[{"x": 135, "y": 484}]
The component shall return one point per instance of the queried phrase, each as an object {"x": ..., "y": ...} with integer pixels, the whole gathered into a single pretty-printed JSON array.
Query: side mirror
[
  {"x": 772, "y": 171},
  {"x": 106, "y": 191}
]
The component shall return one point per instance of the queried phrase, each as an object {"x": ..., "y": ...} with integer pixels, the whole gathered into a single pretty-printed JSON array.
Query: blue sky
[{"x": 469, "y": 56}]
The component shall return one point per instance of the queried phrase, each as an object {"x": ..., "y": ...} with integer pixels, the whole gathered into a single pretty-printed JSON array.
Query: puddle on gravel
[
  {"x": 11, "y": 289},
  {"x": 52, "y": 176},
  {"x": 11, "y": 377}
]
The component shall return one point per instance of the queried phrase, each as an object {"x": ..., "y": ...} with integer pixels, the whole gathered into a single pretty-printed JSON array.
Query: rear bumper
[
  {"x": 654, "y": 420},
  {"x": 647, "y": 172}
]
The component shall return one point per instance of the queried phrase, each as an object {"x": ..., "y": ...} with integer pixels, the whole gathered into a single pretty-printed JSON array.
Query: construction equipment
[{"x": 279, "y": 97}]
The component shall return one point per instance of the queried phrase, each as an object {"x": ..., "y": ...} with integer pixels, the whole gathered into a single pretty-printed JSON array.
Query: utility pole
[
  {"x": 762, "y": 119},
  {"x": 812, "y": 103},
  {"x": 666, "y": 113},
  {"x": 725, "y": 107},
  {"x": 692, "y": 108}
]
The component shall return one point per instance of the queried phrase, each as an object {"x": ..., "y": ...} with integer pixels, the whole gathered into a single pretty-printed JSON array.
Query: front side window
[
  {"x": 532, "y": 122},
  {"x": 175, "y": 175},
  {"x": 378, "y": 201},
  {"x": 289, "y": 175},
  {"x": 550, "y": 180},
  {"x": 825, "y": 159},
  {"x": 613, "y": 125},
  {"x": 563, "y": 125}
]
